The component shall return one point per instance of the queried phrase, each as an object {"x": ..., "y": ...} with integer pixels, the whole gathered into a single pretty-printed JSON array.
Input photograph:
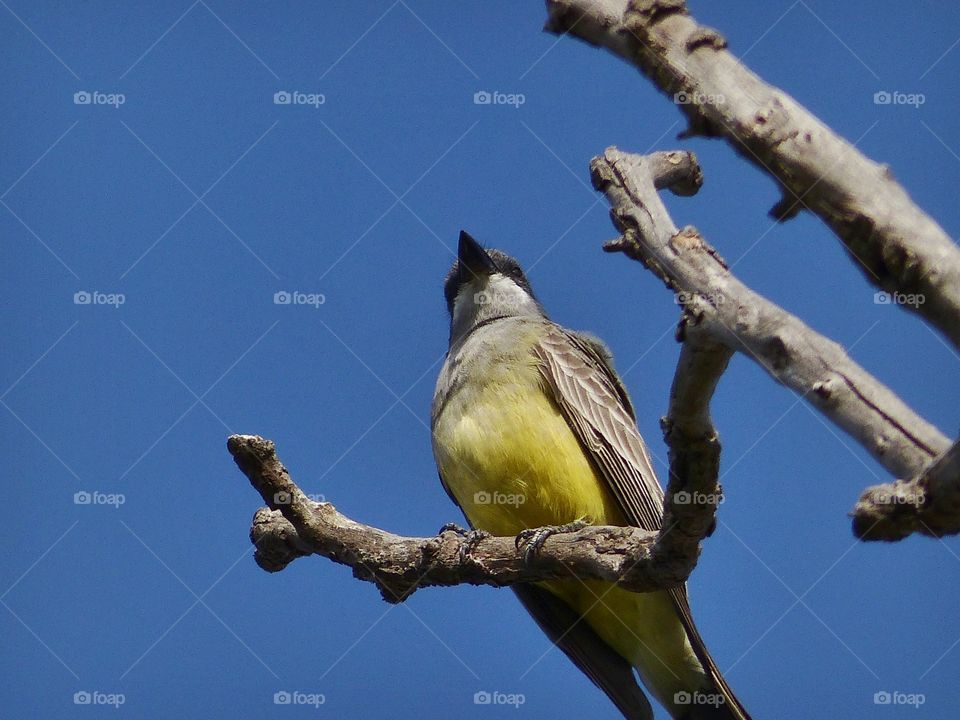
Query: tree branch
[
  {"x": 294, "y": 526},
  {"x": 693, "y": 492},
  {"x": 723, "y": 311},
  {"x": 928, "y": 504},
  {"x": 897, "y": 246}
]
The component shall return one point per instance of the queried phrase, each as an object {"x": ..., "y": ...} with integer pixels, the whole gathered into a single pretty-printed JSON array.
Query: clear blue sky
[{"x": 198, "y": 198}]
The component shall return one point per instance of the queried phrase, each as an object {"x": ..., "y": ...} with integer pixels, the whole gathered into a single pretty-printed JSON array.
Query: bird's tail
[{"x": 717, "y": 701}]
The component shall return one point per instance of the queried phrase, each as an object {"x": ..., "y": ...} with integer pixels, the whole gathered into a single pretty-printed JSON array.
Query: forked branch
[
  {"x": 897, "y": 246},
  {"x": 719, "y": 310}
]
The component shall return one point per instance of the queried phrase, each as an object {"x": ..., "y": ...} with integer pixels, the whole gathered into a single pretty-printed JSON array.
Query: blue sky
[{"x": 184, "y": 191}]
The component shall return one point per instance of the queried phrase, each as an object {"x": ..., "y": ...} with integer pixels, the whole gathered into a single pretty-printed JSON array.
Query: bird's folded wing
[
  {"x": 597, "y": 409},
  {"x": 595, "y": 404}
]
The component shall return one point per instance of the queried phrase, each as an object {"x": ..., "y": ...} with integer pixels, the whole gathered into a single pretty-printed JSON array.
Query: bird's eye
[{"x": 517, "y": 273}]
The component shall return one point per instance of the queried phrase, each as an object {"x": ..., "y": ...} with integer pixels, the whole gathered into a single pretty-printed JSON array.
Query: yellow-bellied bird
[{"x": 532, "y": 427}]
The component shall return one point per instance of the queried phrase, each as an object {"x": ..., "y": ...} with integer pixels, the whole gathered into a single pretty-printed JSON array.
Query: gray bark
[
  {"x": 294, "y": 526},
  {"x": 733, "y": 315},
  {"x": 897, "y": 246},
  {"x": 721, "y": 312},
  {"x": 928, "y": 503}
]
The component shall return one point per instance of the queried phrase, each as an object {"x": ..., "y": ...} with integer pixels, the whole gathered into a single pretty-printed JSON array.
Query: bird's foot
[
  {"x": 534, "y": 538},
  {"x": 452, "y": 527},
  {"x": 471, "y": 538}
]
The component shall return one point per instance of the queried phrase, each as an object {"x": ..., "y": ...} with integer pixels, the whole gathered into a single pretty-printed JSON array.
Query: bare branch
[
  {"x": 897, "y": 246},
  {"x": 733, "y": 315},
  {"x": 928, "y": 504},
  {"x": 693, "y": 492},
  {"x": 295, "y": 526},
  {"x": 721, "y": 312}
]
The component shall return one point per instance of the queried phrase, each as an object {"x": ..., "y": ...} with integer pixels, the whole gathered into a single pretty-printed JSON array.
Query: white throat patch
[{"x": 488, "y": 297}]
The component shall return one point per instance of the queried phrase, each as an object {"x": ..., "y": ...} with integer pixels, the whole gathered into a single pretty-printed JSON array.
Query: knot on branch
[
  {"x": 275, "y": 539},
  {"x": 928, "y": 503},
  {"x": 641, "y": 13},
  {"x": 704, "y": 36}
]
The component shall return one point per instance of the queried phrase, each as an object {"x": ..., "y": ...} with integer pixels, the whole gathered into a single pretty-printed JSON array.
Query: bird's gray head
[{"x": 484, "y": 285}]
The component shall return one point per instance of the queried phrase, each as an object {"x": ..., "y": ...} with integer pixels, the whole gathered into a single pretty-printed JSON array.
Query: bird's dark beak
[{"x": 474, "y": 260}]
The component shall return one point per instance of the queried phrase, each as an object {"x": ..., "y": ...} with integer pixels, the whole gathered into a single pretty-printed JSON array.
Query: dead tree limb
[
  {"x": 721, "y": 306},
  {"x": 897, "y": 246},
  {"x": 694, "y": 445},
  {"x": 928, "y": 504},
  {"x": 294, "y": 526},
  {"x": 720, "y": 310}
]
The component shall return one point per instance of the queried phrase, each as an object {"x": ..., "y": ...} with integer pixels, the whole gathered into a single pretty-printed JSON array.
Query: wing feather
[{"x": 595, "y": 404}]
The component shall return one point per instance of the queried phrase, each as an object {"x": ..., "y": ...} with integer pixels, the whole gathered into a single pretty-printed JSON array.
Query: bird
[{"x": 532, "y": 428}]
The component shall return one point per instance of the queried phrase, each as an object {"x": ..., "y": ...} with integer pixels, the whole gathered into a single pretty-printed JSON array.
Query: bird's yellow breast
[{"x": 511, "y": 460}]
